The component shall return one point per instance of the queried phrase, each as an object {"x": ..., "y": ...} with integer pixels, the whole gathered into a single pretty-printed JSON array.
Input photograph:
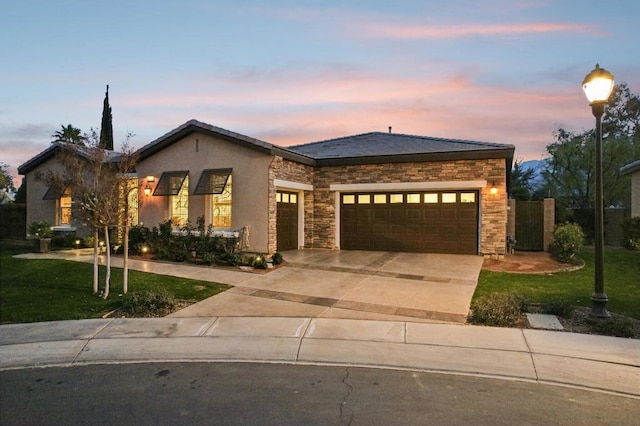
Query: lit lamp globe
[{"x": 597, "y": 86}]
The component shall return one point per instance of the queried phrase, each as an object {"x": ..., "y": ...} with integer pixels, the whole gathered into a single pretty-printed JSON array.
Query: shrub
[
  {"x": 498, "y": 309},
  {"x": 277, "y": 258},
  {"x": 567, "y": 243},
  {"x": 149, "y": 303},
  {"x": 631, "y": 233},
  {"x": 40, "y": 229},
  {"x": 618, "y": 326},
  {"x": 560, "y": 307},
  {"x": 260, "y": 262},
  {"x": 208, "y": 257}
]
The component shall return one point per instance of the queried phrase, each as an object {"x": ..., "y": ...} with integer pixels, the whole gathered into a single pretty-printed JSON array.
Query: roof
[
  {"x": 630, "y": 168},
  {"x": 379, "y": 147},
  {"x": 192, "y": 126},
  {"x": 52, "y": 150}
]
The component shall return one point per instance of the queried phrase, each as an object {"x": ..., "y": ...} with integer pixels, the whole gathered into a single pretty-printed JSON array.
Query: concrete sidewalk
[{"x": 585, "y": 361}]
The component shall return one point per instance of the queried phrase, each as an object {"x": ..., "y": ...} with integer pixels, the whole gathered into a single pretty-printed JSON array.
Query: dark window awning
[
  {"x": 212, "y": 181},
  {"x": 54, "y": 193},
  {"x": 170, "y": 183}
]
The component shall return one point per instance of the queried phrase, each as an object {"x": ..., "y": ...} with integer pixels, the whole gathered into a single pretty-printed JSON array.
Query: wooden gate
[{"x": 530, "y": 225}]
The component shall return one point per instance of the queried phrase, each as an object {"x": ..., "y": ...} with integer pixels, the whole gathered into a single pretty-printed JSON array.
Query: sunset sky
[{"x": 290, "y": 72}]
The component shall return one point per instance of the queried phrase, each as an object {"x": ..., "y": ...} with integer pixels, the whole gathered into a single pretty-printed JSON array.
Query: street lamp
[{"x": 597, "y": 86}]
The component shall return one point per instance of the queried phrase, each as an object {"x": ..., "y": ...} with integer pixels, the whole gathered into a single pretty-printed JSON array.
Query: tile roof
[{"x": 630, "y": 168}]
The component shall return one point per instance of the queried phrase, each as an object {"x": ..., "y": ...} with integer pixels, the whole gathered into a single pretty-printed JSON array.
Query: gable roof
[
  {"x": 630, "y": 168},
  {"x": 192, "y": 126},
  {"x": 52, "y": 150},
  {"x": 379, "y": 147}
]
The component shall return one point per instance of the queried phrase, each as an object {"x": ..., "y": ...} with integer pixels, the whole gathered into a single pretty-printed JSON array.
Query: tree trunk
[
  {"x": 108, "y": 274},
  {"x": 96, "y": 268}
]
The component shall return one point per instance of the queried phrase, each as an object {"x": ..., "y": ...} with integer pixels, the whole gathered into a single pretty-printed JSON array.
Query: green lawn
[
  {"x": 622, "y": 283},
  {"x": 50, "y": 290}
]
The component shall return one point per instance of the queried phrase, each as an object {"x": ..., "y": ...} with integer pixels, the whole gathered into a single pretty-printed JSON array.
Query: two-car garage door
[{"x": 431, "y": 222}]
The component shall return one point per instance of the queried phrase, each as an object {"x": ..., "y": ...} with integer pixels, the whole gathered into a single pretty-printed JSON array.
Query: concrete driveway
[{"x": 420, "y": 287}]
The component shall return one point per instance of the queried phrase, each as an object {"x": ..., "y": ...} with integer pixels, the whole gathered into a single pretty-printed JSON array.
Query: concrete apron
[{"x": 418, "y": 287}]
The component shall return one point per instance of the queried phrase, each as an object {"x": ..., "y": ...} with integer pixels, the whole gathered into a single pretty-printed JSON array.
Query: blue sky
[{"x": 291, "y": 72}]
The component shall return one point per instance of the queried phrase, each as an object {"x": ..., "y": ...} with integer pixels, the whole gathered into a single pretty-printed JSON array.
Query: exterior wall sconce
[
  {"x": 494, "y": 189},
  {"x": 147, "y": 189}
]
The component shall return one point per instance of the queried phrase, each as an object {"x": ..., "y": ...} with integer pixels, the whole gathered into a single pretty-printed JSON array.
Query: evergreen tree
[{"x": 106, "y": 130}]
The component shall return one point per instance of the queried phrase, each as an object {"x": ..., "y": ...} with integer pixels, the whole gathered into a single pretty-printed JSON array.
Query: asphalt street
[{"x": 247, "y": 393}]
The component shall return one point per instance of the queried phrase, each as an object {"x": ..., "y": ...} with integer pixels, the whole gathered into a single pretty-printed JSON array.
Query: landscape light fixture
[{"x": 597, "y": 86}]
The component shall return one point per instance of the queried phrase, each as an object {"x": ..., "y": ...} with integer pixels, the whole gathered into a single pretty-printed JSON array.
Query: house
[
  {"x": 633, "y": 169},
  {"x": 375, "y": 191}
]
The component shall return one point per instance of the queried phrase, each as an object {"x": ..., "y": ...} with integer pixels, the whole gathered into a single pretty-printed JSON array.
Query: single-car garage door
[
  {"x": 287, "y": 220},
  {"x": 430, "y": 222}
]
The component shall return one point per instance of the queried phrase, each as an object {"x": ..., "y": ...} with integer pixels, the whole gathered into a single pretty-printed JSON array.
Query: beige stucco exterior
[
  {"x": 197, "y": 152},
  {"x": 260, "y": 169},
  {"x": 635, "y": 194}
]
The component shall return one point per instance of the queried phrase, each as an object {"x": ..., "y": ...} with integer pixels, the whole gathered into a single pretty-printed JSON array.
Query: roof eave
[{"x": 630, "y": 168}]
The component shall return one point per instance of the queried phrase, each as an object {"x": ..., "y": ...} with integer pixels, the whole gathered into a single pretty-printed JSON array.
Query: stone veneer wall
[
  {"x": 293, "y": 172},
  {"x": 493, "y": 208}
]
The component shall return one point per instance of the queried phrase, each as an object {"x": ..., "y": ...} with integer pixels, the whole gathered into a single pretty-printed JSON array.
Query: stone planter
[{"x": 42, "y": 245}]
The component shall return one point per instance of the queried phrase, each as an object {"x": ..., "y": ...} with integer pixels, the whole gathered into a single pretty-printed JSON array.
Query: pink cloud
[{"x": 411, "y": 32}]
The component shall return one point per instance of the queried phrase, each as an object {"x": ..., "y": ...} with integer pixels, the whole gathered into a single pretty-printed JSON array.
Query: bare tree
[{"x": 94, "y": 178}]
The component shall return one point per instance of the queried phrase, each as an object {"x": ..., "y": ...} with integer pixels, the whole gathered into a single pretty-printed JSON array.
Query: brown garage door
[
  {"x": 287, "y": 220},
  {"x": 430, "y": 222}
]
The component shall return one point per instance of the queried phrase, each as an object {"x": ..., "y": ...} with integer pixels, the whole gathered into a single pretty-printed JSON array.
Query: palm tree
[{"x": 68, "y": 134}]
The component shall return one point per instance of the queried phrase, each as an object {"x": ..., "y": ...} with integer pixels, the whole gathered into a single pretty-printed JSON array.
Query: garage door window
[
  {"x": 430, "y": 198},
  {"x": 380, "y": 199},
  {"x": 395, "y": 198},
  {"x": 364, "y": 199},
  {"x": 348, "y": 199},
  {"x": 468, "y": 197},
  {"x": 448, "y": 197},
  {"x": 413, "y": 198}
]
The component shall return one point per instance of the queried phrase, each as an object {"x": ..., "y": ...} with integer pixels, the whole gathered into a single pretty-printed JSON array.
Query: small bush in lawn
[
  {"x": 498, "y": 309},
  {"x": 276, "y": 258},
  {"x": 149, "y": 303},
  {"x": 567, "y": 243},
  {"x": 631, "y": 233},
  {"x": 618, "y": 326},
  {"x": 560, "y": 307}
]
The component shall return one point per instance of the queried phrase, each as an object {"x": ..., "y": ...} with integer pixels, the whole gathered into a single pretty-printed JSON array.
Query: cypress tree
[{"x": 106, "y": 130}]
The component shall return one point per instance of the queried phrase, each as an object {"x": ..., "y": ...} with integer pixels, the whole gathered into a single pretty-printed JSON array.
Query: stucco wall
[
  {"x": 197, "y": 152},
  {"x": 493, "y": 208},
  {"x": 635, "y": 194}
]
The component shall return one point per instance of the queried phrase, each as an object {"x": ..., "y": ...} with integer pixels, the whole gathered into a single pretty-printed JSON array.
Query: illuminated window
[
  {"x": 221, "y": 206},
  {"x": 294, "y": 198},
  {"x": 348, "y": 199},
  {"x": 364, "y": 199},
  {"x": 431, "y": 198},
  {"x": 449, "y": 197},
  {"x": 413, "y": 198},
  {"x": 468, "y": 197},
  {"x": 278, "y": 197},
  {"x": 179, "y": 204},
  {"x": 395, "y": 198},
  {"x": 64, "y": 212},
  {"x": 380, "y": 199}
]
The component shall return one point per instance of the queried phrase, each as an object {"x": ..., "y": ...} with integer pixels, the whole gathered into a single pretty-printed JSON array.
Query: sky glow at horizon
[{"x": 290, "y": 72}]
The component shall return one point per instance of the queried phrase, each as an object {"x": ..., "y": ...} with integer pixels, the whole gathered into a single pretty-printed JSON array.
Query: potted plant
[{"x": 42, "y": 233}]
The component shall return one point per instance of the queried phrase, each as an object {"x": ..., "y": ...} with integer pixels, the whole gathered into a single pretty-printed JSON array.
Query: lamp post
[{"x": 597, "y": 86}]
